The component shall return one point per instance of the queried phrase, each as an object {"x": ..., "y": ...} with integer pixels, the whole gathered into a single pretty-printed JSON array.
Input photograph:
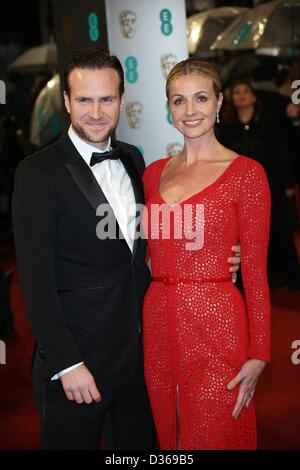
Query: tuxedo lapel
[
  {"x": 85, "y": 180},
  {"x": 81, "y": 174},
  {"x": 137, "y": 186},
  {"x": 87, "y": 184},
  {"x": 135, "y": 178}
]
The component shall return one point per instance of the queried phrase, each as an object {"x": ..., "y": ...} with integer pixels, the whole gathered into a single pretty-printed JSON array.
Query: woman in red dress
[{"x": 204, "y": 346}]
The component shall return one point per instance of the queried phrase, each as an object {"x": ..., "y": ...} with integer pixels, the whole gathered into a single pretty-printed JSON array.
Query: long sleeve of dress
[{"x": 254, "y": 220}]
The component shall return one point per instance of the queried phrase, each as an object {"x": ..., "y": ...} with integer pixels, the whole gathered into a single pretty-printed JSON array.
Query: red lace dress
[{"x": 198, "y": 330}]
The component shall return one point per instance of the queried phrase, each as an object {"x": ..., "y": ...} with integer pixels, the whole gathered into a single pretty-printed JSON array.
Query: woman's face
[
  {"x": 242, "y": 96},
  {"x": 193, "y": 105}
]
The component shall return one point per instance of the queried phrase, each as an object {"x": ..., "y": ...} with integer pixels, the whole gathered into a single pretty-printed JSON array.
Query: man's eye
[
  {"x": 83, "y": 100},
  {"x": 106, "y": 100}
]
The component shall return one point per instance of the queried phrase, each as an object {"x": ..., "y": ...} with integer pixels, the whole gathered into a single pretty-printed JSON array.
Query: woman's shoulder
[
  {"x": 251, "y": 171},
  {"x": 248, "y": 163}
]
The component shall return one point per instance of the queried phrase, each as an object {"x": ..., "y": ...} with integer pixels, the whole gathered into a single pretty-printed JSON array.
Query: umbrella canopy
[
  {"x": 272, "y": 28},
  {"x": 46, "y": 120},
  {"x": 203, "y": 28},
  {"x": 36, "y": 59}
]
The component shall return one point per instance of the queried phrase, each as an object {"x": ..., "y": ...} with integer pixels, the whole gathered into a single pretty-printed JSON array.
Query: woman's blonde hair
[{"x": 196, "y": 67}]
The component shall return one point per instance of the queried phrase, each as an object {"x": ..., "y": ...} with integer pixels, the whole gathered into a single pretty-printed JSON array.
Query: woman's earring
[{"x": 217, "y": 118}]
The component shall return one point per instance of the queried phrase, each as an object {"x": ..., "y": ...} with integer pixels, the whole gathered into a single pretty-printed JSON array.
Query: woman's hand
[{"x": 247, "y": 378}]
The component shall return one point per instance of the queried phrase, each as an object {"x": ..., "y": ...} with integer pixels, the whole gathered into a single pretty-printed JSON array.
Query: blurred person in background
[{"x": 251, "y": 130}]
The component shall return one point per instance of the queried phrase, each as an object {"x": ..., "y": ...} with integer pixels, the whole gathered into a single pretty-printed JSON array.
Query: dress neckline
[{"x": 204, "y": 190}]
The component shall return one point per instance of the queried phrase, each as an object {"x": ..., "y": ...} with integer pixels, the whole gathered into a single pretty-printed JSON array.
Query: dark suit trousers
[{"x": 68, "y": 425}]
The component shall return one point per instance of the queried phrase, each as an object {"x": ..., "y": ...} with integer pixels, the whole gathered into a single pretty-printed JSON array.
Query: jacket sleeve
[
  {"x": 34, "y": 224},
  {"x": 254, "y": 221}
]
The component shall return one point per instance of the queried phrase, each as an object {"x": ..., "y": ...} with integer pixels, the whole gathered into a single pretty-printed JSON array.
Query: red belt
[{"x": 168, "y": 280}]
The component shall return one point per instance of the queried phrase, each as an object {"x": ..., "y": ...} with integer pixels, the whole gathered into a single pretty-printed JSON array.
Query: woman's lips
[{"x": 192, "y": 122}]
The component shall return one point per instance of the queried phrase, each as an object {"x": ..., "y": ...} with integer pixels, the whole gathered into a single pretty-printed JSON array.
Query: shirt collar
[{"x": 85, "y": 149}]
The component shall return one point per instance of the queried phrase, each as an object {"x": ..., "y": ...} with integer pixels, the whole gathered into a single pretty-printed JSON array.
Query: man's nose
[{"x": 96, "y": 110}]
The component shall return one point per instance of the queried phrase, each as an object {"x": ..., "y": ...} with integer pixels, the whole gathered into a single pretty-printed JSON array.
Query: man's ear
[
  {"x": 67, "y": 102},
  {"x": 122, "y": 102}
]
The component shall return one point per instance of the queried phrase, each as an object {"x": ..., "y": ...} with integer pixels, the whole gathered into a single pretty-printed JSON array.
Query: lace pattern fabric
[{"x": 198, "y": 335}]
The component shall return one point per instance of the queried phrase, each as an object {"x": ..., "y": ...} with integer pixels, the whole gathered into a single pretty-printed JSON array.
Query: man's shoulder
[
  {"x": 128, "y": 147},
  {"x": 135, "y": 154},
  {"x": 47, "y": 157}
]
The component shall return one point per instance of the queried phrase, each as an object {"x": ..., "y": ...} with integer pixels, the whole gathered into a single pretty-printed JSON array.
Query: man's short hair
[{"x": 93, "y": 58}]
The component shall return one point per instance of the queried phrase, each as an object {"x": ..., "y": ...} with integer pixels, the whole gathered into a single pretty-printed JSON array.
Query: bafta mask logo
[
  {"x": 134, "y": 110},
  {"x": 128, "y": 23},
  {"x": 174, "y": 148},
  {"x": 167, "y": 62}
]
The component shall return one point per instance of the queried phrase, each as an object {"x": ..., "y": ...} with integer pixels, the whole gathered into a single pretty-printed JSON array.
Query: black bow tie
[{"x": 100, "y": 157}]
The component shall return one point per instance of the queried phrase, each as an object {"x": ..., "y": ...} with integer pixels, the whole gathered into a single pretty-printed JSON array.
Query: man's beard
[{"x": 81, "y": 132}]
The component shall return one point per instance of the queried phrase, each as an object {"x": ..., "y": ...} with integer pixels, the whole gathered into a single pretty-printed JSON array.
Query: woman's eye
[
  {"x": 178, "y": 101},
  {"x": 201, "y": 98}
]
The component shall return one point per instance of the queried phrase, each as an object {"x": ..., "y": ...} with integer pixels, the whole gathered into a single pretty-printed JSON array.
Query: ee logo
[
  {"x": 93, "y": 27},
  {"x": 166, "y": 25},
  {"x": 141, "y": 149},
  {"x": 169, "y": 116},
  {"x": 131, "y": 69}
]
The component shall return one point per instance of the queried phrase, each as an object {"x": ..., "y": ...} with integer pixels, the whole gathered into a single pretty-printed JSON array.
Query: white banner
[{"x": 149, "y": 37}]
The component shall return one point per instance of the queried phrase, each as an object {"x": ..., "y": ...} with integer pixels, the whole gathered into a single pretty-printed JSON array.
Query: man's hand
[
  {"x": 234, "y": 261},
  {"x": 247, "y": 378},
  {"x": 79, "y": 386}
]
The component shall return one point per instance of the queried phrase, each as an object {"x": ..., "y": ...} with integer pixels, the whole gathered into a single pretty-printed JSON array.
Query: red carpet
[
  {"x": 277, "y": 398},
  {"x": 278, "y": 393},
  {"x": 19, "y": 421}
]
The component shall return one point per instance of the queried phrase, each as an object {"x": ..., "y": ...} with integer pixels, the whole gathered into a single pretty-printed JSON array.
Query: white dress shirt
[{"x": 117, "y": 188}]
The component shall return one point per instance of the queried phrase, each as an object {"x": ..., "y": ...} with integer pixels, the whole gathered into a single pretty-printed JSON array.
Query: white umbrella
[
  {"x": 272, "y": 28},
  {"x": 203, "y": 28},
  {"x": 46, "y": 120},
  {"x": 36, "y": 59}
]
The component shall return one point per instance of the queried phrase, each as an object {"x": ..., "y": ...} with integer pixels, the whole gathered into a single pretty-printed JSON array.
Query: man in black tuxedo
[{"x": 84, "y": 292}]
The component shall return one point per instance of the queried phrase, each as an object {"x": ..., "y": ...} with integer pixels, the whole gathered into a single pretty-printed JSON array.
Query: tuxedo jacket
[{"x": 83, "y": 294}]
